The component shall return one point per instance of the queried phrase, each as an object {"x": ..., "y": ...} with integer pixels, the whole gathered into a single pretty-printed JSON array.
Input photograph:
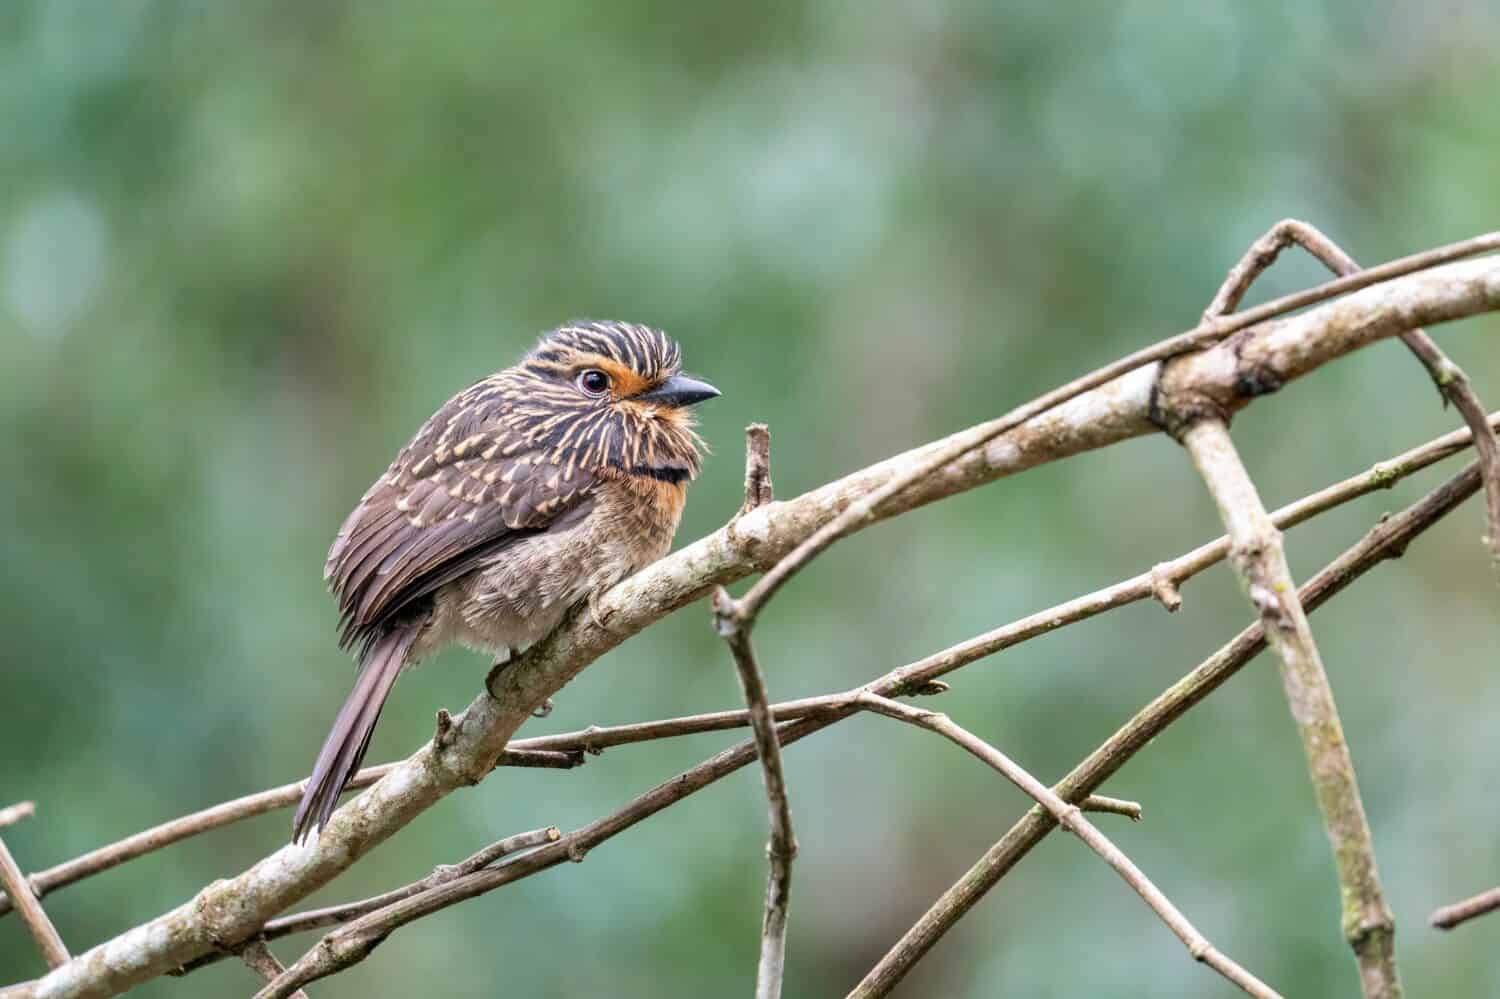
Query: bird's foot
[{"x": 600, "y": 615}]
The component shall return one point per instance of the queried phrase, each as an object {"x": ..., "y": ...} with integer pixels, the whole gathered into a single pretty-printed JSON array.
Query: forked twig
[
  {"x": 1070, "y": 817},
  {"x": 1451, "y": 381},
  {"x": 735, "y": 628},
  {"x": 909, "y": 678},
  {"x": 1387, "y": 539},
  {"x": 235, "y": 909}
]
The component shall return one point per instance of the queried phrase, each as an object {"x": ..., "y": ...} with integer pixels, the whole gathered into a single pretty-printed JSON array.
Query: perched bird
[{"x": 525, "y": 495}]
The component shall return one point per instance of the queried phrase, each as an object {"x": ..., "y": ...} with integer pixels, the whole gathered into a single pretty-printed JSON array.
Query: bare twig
[
  {"x": 1071, "y": 819},
  {"x": 351, "y": 943},
  {"x": 1459, "y": 913},
  {"x": 249, "y": 806},
  {"x": 781, "y": 850},
  {"x": 11, "y": 814},
  {"x": 1259, "y": 560},
  {"x": 35, "y": 917},
  {"x": 1112, "y": 806},
  {"x": 335, "y": 915},
  {"x": 1451, "y": 381},
  {"x": 757, "y": 467},
  {"x": 332, "y": 953},
  {"x": 233, "y": 910},
  {"x": 261, "y": 961},
  {"x": 864, "y": 510},
  {"x": 1387, "y": 539},
  {"x": 909, "y": 678}
]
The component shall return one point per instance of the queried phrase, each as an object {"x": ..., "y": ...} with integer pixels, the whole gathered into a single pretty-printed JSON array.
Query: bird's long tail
[{"x": 346, "y": 743}]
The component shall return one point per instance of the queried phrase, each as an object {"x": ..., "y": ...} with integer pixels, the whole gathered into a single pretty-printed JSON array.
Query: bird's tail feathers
[{"x": 350, "y": 736}]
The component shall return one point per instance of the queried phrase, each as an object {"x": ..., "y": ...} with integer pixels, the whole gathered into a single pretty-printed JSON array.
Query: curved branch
[
  {"x": 1387, "y": 539},
  {"x": 230, "y": 912}
]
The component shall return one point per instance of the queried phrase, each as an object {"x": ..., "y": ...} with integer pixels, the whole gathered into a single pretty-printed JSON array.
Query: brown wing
[{"x": 464, "y": 488}]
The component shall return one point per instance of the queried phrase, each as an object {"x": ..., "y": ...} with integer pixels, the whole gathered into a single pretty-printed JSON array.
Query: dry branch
[
  {"x": 734, "y": 626},
  {"x": 1459, "y": 913},
  {"x": 261, "y": 961},
  {"x": 1451, "y": 381},
  {"x": 595, "y": 739},
  {"x": 1387, "y": 539},
  {"x": 232, "y": 911},
  {"x": 1260, "y": 562},
  {"x": 249, "y": 806},
  {"x": 32, "y": 914},
  {"x": 1070, "y": 817},
  {"x": 11, "y": 814}
]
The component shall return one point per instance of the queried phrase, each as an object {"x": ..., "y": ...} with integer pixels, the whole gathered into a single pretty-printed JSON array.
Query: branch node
[
  {"x": 757, "y": 467},
  {"x": 1164, "y": 587},
  {"x": 543, "y": 709},
  {"x": 442, "y": 738}
]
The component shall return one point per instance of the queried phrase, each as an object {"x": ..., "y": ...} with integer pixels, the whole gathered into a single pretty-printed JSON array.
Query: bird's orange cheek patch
[{"x": 623, "y": 381}]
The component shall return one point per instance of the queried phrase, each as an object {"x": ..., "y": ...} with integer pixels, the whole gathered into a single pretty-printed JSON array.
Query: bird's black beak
[{"x": 679, "y": 390}]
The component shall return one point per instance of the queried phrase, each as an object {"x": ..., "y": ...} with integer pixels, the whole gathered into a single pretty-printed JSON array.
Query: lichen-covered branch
[{"x": 1259, "y": 560}]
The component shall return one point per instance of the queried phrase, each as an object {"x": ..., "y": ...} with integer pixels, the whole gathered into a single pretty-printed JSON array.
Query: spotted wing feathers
[{"x": 464, "y": 488}]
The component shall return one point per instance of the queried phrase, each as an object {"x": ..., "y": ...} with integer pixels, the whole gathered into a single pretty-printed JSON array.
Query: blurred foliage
[{"x": 246, "y": 248}]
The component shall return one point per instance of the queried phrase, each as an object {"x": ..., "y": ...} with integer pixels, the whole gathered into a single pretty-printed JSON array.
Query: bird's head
[{"x": 614, "y": 395}]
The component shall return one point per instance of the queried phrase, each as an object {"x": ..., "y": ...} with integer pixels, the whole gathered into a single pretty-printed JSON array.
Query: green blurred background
[{"x": 246, "y": 248}]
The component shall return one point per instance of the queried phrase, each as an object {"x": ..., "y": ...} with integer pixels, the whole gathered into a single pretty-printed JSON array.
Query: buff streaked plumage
[{"x": 522, "y": 495}]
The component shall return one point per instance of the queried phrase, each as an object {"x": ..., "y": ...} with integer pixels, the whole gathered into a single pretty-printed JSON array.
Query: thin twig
[
  {"x": 1071, "y": 818},
  {"x": 335, "y": 915},
  {"x": 249, "y": 806},
  {"x": 11, "y": 814},
  {"x": 1387, "y": 539},
  {"x": 758, "y": 490},
  {"x": 1210, "y": 331},
  {"x": 1260, "y": 561},
  {"x": 1459, "y": 913},
  {"x": 235, "y": 908},
  {"x": 595, "y": 739},
  {"x": 35, "y": 917},
  {"x": 1451, "y": 381},
  {"x": 261, "y": 961},
  {"x": 781, "y": 850},
  {"x": 1112, "y": 806},
  {"x": 349, "y": 944}
]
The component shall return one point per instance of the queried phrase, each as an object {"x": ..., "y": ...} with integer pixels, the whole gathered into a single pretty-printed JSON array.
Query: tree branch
[
  {"x": 232, "y": 911},
  {"x": 11, "y": 814},
  {"x": 1070, "y": 817},
  {"x": 1459, "y": 913},
  {"x": 1387, "y": 539},
  {"x": 261, "y": 961},
  {"x": 32, "y": 914},
  {"x": 1260, "y": 562},
  {"x": 1451, "y": 381}
]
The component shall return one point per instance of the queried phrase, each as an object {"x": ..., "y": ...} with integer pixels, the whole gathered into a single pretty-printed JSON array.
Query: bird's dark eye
[{"x": 593, "y": 381}]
